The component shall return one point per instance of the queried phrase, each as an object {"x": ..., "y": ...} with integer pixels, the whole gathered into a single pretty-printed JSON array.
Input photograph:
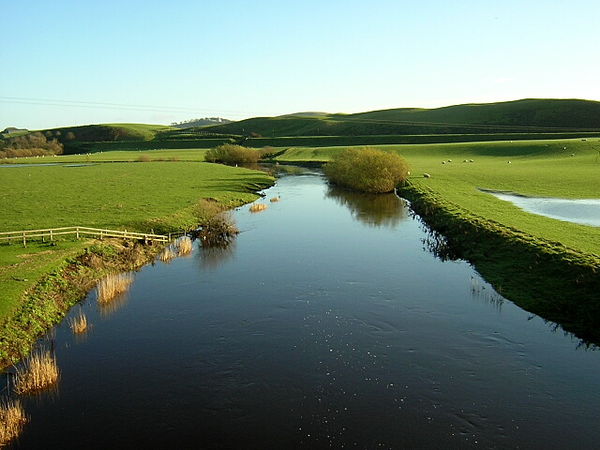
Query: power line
[{"x": 118, "y": 106}]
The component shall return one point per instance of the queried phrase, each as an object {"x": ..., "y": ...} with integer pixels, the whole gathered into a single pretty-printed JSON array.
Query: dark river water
[{"x": 326, "y": 325}]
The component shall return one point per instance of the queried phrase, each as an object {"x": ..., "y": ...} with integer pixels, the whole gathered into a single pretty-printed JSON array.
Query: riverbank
[
  {"x": 47, "y": 302},
  {"x": 40, "y": 282},
  {"x": 545, "y": 277}
]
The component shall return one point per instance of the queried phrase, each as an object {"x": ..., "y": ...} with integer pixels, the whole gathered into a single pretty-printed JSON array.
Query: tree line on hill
[{"x": 32, "y": 144}]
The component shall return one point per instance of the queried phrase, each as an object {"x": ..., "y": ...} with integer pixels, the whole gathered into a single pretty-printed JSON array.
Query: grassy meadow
[{"x": 134, "y": 196}]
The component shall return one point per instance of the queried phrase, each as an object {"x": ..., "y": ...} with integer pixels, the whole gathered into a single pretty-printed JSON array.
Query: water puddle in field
[
  {"x": 583, "y": 211},
  {"x": 327, "y": 324},
  {"x": 8, "y": 166}
]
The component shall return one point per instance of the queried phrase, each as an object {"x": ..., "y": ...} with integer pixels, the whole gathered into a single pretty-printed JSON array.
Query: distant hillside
[
  {"x": 13, "y": 131},
  {"x": 528, "y": 115},
  {"x": 105, "y": 132},
  {"x": 316, "y": 114},
  {"x": 132, "y": 136},
  {"x": 207, "y": 121}
]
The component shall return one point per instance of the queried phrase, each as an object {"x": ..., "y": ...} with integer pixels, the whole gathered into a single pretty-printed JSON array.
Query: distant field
[
  {"x": 537, "y": 168},
  {"x": 192, "y": 154},
  {"x": 139, "y": 196}
]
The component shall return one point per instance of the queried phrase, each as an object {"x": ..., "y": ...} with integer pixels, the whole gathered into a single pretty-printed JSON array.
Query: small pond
[{"x": 584, "y": 211}]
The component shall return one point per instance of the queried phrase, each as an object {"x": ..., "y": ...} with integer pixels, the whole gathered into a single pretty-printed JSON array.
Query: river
[{"x": 327, "y": 324}]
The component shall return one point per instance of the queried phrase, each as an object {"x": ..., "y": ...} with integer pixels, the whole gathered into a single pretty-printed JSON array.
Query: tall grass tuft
[
  {"x": 184, "y": 246},
  {"x": 232, "y": 154},
  {"x": 258, "y": 207},
  {"x": 79, "y": 323},
  {"x": 167, "y": 254},
  {"x": 12, "y": 419},
  {"x": 275, "y": 199},
  {"x": 40, "y": 371},
  {"x": 367, "y": 170},
  {"x": 113, "y": 285}
]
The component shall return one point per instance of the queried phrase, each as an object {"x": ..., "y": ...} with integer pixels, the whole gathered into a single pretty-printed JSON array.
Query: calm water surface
[
  {"x": 326, "y": 325},
  {"x": 582, "y": 211}
]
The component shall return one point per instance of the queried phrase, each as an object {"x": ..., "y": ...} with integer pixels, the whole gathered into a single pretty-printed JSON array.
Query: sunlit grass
[
  {"x": 258, "y": 207},
  {"x": 39, "y": 371},
  {"x": 12, "y": 419},
  {"x": 184, "y": 246},
  {"x": 79, "y": 324},
  {"x": 113, "y": 285},
  {"x": 167, "y": 254}
]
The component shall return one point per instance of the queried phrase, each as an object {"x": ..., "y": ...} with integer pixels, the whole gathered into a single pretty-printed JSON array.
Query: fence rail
[{"x": 51, "y": 233}]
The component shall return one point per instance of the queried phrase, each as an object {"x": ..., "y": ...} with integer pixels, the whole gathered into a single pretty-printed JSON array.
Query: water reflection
[
  {"x": 212, "y": 257},
  {"x": 565, "y": 297},
  {"x": 108, "y": 308},
  {"x": 437, "y": 244},
  {"x": 375, "y": 210}
]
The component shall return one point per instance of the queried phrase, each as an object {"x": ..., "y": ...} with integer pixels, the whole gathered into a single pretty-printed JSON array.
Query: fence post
[
  {"x": 77, "y": 233},
  {"x": 51, "y": 236},
  {"x": 24, "y": 240}
]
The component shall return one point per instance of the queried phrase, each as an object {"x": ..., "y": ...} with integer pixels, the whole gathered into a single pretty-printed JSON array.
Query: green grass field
[
  {"x": 537, "y": 168},
  {"x": 133, "y": 196},
  {"x": 192, "y": 154}
]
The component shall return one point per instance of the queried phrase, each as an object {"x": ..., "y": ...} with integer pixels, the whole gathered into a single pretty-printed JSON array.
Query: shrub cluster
[
  {"x": 32, "y": 144},
  {"x": 232, "y": 154},
  {"x": 367, "y": 170}
]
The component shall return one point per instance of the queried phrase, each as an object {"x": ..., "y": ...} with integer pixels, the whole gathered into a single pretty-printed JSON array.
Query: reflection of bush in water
[
  {"x": 211, "y": 257},
  {"x": 372, "y": 209}
]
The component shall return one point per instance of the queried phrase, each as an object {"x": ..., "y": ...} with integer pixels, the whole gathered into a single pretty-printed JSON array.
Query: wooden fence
[{"x": 52, "y": 233}]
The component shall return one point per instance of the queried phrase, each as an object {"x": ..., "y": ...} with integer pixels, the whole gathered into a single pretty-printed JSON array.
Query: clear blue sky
[{"x": 171, "y": 61}]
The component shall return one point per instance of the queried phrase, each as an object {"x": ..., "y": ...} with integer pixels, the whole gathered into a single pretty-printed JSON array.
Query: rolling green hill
[
  {"x": 515, "y": 120},
  {"x": 528, "y": 115},
  {"x": 131, "y": 136}
]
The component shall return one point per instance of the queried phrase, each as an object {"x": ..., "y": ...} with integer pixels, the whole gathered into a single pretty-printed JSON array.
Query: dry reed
[
  {"x": 12, "y": 419},
  {"x": 184, "y": 246},
  {"x": 39, "y": 371},
  {"x": 79, "y": 323},
  {"x": 258, "y": 207},
  {"x": 113, "y": 285},
  {"x": 275, "y": 199},
  {"x": 167, "y": 254}
]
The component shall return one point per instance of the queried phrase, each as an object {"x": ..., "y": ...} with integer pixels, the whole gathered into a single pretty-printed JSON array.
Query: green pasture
[
  {"x": 191, "y": 154},
  {"x": 133, "y": 196}
]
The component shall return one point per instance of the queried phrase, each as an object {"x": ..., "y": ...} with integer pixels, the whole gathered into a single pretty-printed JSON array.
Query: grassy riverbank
[
  {"x": 159, "y": 196},
  {"x": 534, "y": 168}
]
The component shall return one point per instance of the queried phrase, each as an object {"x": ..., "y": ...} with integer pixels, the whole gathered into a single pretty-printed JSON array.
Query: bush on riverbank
[
  {"x": 367, "y": 170},
  {"x": 232, "y": 154}
]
